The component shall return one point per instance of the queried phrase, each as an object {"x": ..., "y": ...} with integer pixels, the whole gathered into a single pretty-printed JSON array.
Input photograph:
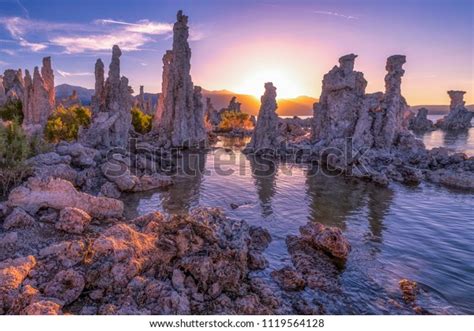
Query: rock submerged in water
[
  {"x": 420, "y": 122},
  {"x": 458, "y": 118},
  {"x": 328, "y": 239}
]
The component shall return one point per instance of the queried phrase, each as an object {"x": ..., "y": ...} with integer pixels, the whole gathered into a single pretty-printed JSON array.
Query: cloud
[
  {"x": 3, "y": 63},
  {"x": 142, "y": 26},
  {"x": 98, "y": 35},
  {"x": 331, "y": 13},
  {"x": 69, "y": 74},
  {"x": 23, "y": 8},
  {"x": 79, "y": 44},
  {"x": 8, "y": 51}
]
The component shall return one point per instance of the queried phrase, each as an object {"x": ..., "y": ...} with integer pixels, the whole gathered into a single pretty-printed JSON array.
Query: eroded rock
[{"x": 59, "y": 194}]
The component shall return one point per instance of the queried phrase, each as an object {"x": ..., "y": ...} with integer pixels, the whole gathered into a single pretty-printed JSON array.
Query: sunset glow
[{"x": 238, "y": 46}]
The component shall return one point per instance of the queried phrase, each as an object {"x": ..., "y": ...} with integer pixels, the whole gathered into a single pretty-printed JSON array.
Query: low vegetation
[
  {"x": 12, "y": 111},
  {"x": 15, "y": 148},
  {"x": 234, "y": 120},
  {"x": 141, "y": 122},
  {"x": 64, "y": 124}
]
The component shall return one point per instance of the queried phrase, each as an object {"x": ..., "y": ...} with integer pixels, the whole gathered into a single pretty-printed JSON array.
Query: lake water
[{"x": 423, "y": 233}]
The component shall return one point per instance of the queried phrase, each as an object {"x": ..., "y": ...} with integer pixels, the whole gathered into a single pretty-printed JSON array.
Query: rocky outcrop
[
  {"x": 118, "y": 172},
  {"x": 335, "y": 115},
  {"x": 199, "y": 263},
  {"x": 180, "y": 115},
  {"x": 58, "y": 194},
  {"x": 3, "y": 95},
  {"x": 12, "y": 274},
  {"x": 234, "y": 105},
  {"x": 48, "y": 79},
  {"x": 458, "y": 118},
  {"x": 14, "y": 84},
  {"x": 72, "y": 100},
  {"x": 98, "y": 99},
  {"x": 38, "y": 97},
  {"x": 212, "y": 115},
  {"x": 144, "y": 104},
  {"x": 72, "y": 220},
  {"x": 112, "y": 102},
  {"x": 420, "y": 122},
  {"x": 266, "y": 136}
]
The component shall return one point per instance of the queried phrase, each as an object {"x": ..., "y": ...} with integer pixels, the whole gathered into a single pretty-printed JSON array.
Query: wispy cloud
[
  {"x": 79, "y": 44},
  {"x": 142, "y": 26},
  {"x": 99, "y": 35},
  {"x": 8, "y": 51},
  {"x": 331, "y": 13},
  {"x": 23, "y": 8},
  {"x": 3, "y": 63},
  {"x": 70, "y": 74}
]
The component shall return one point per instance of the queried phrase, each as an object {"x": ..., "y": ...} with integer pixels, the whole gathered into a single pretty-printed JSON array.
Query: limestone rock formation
[
  {"x": 234, "y": 105},
  {"x": 56, "y": 193},
  {"x": 72, "y": 100},
  {"x": 48, "y": 79},
  {"x": 180, "y": 115},
  {"x": 336, "y": 113},
  {"x": 212, "y": 115},
  {"x": 266, "y": 137},
  {"x": 420, "y": 122},
  {"x": 38, "y": 97},
  {"x": 3, "y": 95},
  {"x": 98, "y": 99},
  {"x": 345, "y": 111},
  {"x": 458, "y": 118},
  {"x": 111, "y": 105},
  {"x": 72, "y": 220},
  {"x": 14, "y": 84},
  {"x": 144, "y": 104}
]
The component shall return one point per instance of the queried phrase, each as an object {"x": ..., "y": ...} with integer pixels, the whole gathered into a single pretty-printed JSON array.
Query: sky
[{"x": 239, "y": 45}]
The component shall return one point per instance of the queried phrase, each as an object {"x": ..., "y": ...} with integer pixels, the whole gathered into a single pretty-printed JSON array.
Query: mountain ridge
[{"x": 299, "y": 106}]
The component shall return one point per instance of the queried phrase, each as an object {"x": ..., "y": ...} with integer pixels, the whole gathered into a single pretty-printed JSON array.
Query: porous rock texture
[
  {"x": 366, "y": 135},
  {"x": 38, "y": 97},
  {"x": 199, "y": 263},
  {"x": 266, "y": 137},
  {"x": 420, "y": 122},
  {"x": 13, "y": 85},
  {"x": 458, "y": 118},
  {"x": 111, "y": 104},
  {"x": 179, "y": 119},
  {"x": 57, "y": 193},
  {"x": 72, "y": 100}
]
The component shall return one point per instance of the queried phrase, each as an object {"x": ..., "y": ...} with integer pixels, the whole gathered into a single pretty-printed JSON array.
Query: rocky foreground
[{"x": 76, "y": 254}]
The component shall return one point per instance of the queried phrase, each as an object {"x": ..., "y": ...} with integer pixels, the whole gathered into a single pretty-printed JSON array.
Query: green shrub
[
  {"x": 12, "y": 110},
  {"x": 231, "y": 120},
  {"x": 14, "y": 144},
  {"x": 14, "y": 150},
  {"x": 64, "y": 124},
  {"x": 141, "y": 122}
]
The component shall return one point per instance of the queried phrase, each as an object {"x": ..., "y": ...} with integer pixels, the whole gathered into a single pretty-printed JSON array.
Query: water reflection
[
  {"x": 264, "y": 173},
  {"x": 185, "y": 193},
  {"x": 332, "y": 200},
  {"x": 379, "y": 202}
]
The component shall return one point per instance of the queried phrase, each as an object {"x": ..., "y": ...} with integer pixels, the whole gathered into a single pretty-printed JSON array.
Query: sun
[{"x": 285, "y": 81}]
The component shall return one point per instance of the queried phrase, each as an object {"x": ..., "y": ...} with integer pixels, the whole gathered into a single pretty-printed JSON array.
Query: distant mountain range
[
  {"x": 299, "y": 106},
  {"x": 286, "y": 107}
]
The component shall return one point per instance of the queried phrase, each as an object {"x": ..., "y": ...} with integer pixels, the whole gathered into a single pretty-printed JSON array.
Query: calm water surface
[{"x": 423, "y": 233}]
